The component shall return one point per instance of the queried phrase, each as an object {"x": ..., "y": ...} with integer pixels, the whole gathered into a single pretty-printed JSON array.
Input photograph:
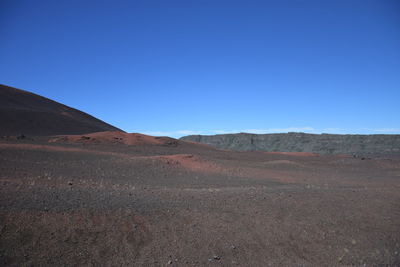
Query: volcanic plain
[{"x": 118, "y": 199}]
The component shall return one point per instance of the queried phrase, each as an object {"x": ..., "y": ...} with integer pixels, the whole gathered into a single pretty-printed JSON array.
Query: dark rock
[{"x": 21, "y": 137}]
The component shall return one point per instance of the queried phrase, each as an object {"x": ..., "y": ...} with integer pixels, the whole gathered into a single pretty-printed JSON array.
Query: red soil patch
[
  {"x": 199, "y": 144},
  {"x": 191, "y": 162},
  {"x": 283, "y": 163},
  {"x": 57, "y": 149},
  {"x": 198, "y": 164},
  {"x": 111, "y": 137},
  {"x": 302, "y": 154},
  {"x": 186, "y": 161}
]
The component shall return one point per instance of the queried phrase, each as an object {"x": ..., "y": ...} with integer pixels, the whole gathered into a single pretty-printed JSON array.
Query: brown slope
[{"x": 22, "y": 112}]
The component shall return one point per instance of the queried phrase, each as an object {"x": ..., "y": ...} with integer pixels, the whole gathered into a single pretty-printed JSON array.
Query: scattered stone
[
  {"x": 170, "y": 262},
  {"x": 70, "y": 183},
  {"x": 21, "y": 137},
  {"x": 217, "y": 258},
  {"x": 172, "y": 143}
]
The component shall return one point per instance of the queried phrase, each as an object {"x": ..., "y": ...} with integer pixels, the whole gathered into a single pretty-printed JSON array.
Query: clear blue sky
[{"x": 177, "y": 67}]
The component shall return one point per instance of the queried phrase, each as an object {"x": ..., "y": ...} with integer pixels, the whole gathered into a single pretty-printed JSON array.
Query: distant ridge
[
  {"x": 302, "y": 142},
  {"x": 22, "y": 112}
]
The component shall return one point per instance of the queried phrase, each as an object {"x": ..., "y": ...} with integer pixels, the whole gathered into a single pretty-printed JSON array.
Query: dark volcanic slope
[
  {"x": 302, "y": 142},
  {"x": 22, "y": 112}
]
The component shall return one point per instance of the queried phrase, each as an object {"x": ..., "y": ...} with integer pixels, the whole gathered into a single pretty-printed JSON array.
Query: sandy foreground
[{"x": 99, "y": 200}]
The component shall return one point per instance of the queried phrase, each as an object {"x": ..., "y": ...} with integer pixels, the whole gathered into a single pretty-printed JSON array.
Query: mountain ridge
[{"x": 302, "y": 142}]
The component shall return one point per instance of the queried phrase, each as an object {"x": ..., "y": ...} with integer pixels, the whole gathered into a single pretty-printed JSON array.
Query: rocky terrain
[
  {"x": 22, "y": 112},
  {"x": 99, "y": 201},
  {"x": 302, "y": 142},
  {"x": 126, "y": 199}
]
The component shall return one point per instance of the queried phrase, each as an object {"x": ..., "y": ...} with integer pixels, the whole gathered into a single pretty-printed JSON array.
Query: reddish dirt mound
[{"x": 110, "y": 137}]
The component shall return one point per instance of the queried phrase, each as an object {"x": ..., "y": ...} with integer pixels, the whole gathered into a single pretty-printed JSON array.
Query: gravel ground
[{"x": 190, "y": 205}]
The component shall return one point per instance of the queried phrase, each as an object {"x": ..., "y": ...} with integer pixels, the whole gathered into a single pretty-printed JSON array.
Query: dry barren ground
[{"x": 70, "y": 201}]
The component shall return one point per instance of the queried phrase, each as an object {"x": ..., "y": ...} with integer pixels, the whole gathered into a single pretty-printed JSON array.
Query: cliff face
[{"x": 302, "y": 142}]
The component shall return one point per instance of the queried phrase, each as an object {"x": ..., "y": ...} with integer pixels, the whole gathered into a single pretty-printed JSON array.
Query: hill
[
  {"x": 22, "y": 112},
  {"x": 302, "y": 142}
]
